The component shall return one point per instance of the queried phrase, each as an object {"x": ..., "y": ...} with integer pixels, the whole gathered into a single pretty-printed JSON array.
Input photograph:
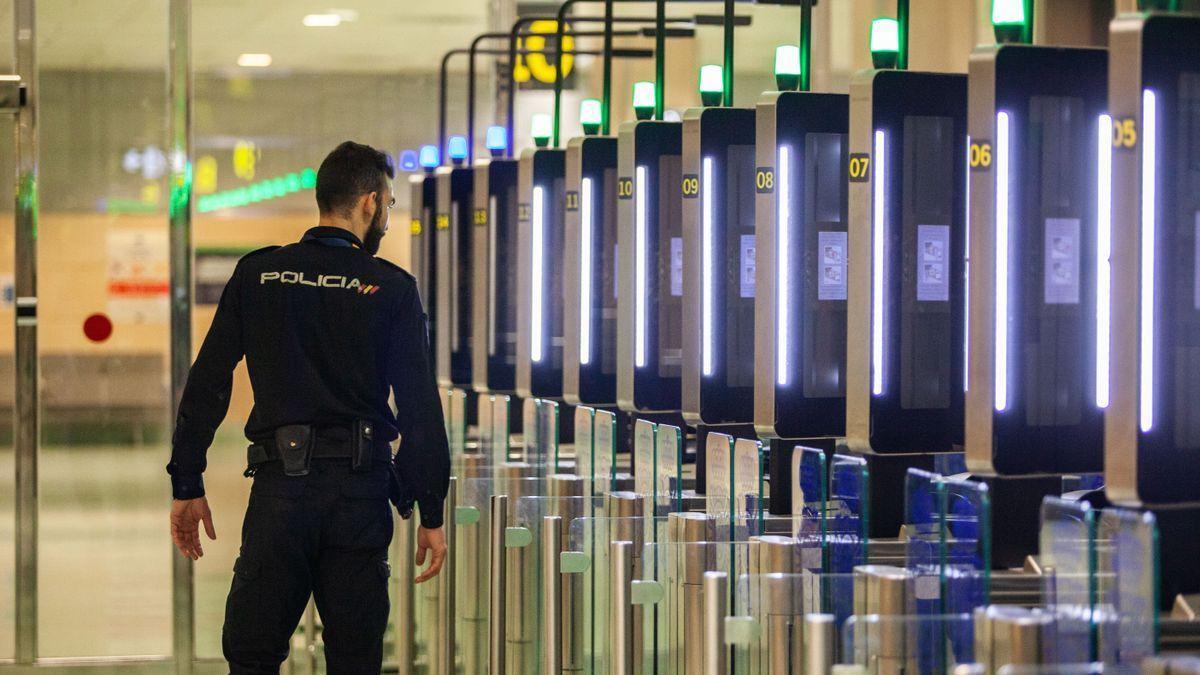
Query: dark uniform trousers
[{"x": 326, "y": 535}]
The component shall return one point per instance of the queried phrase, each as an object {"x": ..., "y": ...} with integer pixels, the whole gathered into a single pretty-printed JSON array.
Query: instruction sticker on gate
[
  {"x": 933, "y": 263},
  {"x": 1062, "y": 262},
  {"x": 831, "y": 265}
]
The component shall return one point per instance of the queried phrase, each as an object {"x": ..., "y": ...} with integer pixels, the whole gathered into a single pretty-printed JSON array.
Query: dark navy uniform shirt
[{"x": 327, "y": 330}]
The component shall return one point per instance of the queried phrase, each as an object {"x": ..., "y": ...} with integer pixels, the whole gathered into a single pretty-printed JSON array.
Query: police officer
[{"x": 327, "y": 330}]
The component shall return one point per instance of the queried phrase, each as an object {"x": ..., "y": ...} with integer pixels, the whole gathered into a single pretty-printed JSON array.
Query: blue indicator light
[
  {"x": 497, "y": 138},
  {"x": 408, "y": 160},
  {"x": 430, "y": 158},
  {"x": 456, "y": 147}
]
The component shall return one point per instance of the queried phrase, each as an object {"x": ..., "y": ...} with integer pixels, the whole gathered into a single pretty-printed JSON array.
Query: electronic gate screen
[
  {"x": 495, "y": 314},
  {"x": 1037, "y": 405},
  {"x": 648, "y": 270},
  {"x": 802, "y": 267}
]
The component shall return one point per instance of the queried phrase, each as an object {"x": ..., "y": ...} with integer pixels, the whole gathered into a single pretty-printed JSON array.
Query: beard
[{"x": 374, "y": 233}]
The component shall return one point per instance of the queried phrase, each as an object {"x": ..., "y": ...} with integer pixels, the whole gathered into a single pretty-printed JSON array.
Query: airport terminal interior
[{"x": 772, "y": 337}]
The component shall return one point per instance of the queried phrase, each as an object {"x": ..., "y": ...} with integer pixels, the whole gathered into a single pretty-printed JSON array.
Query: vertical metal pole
[
  {"x": 443, "y": 76},
  {"x": 25, "y": 437},
  {"x": 447, "y": 581},
  {"x": 806, "y": 45},
  {"x": 728, "y": 69},
  {"x": 620, "y": 609},
  {"x": 820, "y": 636},
  {"x": 552, "y": 660},
  {"x": 179, "y": 115},
  {"x": 1030, "y": 9},
  {"x": 716, "y": 607},
  {"x": 402, "y": 614},
  {"x": 496, "y": 609},
  {"x": 606, "y": 91},
  {"x": 660, "y": 57},
  {"x": 560, "y": 23},
  {"x": 902, "y": 19}
]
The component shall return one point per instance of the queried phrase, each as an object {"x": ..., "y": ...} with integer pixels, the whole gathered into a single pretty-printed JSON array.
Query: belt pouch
[
  {"x": 362, "y": 446},
  {"x": 295, "y": 444}
]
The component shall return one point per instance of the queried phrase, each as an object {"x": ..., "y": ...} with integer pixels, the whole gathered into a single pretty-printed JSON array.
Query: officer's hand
[
  {"x": 186, "y": 515},
  {"x": 433, "y": 541}
]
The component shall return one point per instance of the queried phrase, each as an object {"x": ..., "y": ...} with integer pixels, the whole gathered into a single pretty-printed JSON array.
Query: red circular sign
[{"x": 98, "y": 327}]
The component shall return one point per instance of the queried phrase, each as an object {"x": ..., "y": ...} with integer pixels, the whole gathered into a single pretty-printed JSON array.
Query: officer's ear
[{"x": 368, "y": 204}]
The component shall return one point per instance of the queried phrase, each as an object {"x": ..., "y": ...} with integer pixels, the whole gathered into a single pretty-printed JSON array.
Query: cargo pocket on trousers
[{"x": 243, "y": 625}]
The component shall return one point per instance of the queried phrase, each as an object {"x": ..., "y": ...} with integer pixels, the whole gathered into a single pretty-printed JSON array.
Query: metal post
[
  {"x": 496, "y": 632},
  {"x": 728, "y": 70},
  {"x": 606, "y": 92},
  {"x": 25, "y": 424},
  {"x": 620, "y": 609},
  {"x": 660, "y": 58},
  {"x": 716, "y": 607},
  {"x": 806, "y": 45},
  {"x": 402, "y": 615},
  {"x": 551, "y": 598},
  {"x": 902, "y": 19},
  {"x": 446, "y": 608},
  {"x": 820, "y": 636}
]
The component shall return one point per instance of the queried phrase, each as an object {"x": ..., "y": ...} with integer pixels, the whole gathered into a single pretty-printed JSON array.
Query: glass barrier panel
[
  {"x": 546, "y": 445},
  {"x": 1127, "y": 586},
  {"x": 529, "y": 418},
  {"x": 748, "y": 485},
  {"x": 966, "y": 568},
  {"x": 584, "y": 448},
  {"x": 645, "y": 445},
  {"x": 900, "y": 643},
  {"x": 950, "y": 463},
  {"x": 846, "y": 521},
  {"x": 483, "y": 413},
  {"x": 672, "y": 614},
  {"x": 458, "y": 412},
  {"x": 668, "y": 478},
  {"x": 1070, "y": 669},
  {"x": 1066, "y": 544},
  {"x": 604, "y": 442},
  {"x": 810, "y": 482},
  {"x": 501, "y": 428}
]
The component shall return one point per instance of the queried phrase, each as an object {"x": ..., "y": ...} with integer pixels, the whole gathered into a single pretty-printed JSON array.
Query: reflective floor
[{"x": 104, "y": 557}]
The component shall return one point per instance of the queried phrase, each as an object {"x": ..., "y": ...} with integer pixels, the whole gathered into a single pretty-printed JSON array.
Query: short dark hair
[{"x": 349, "y": 172}]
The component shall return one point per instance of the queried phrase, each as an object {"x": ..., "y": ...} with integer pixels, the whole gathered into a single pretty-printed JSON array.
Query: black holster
[
  {"x": 295, "y": 445},
  {"x": 362, "y": 446}
]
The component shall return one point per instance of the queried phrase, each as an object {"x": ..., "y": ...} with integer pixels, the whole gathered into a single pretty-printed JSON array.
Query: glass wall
[{"x": 104, "y": 585}]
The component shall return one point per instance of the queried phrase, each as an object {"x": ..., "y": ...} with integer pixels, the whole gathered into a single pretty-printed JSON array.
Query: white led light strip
[
  {"x": 967, "y": 272},
  {"x": 782, "y": 263},
  {"x": 706, "y": 235},
  {"x": 1104, "y": 131},
  {"x": 877, "y": 266},
  {"x": 1001, "y": 336},
  {"x": 1149, "y": 225},
  {"x": 585, "y": 272},
  {"x": 639, "y": 274},
  {"x": 535, "y": 346}
]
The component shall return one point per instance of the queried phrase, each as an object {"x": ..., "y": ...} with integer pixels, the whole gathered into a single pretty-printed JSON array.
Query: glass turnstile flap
[
  {"x": 604, "y": 449},
  {"x": 454, "y": 410},
  {"x": 847, "y": 518},
  {"x": 494, "y": 427},
  {"x": 1127, "y": 586},
  {"x": 810, "y": 483},
  {"x": 540, "y": 440},
  {"x": 947, "y": 541},
  {"x": 587, "y": 555},
  {"x": 1070, "y": 669},
  {"x": 1067, "y": 551},
  {"x": 671, "y": 598},
  {"x": 904, "y": 643}
]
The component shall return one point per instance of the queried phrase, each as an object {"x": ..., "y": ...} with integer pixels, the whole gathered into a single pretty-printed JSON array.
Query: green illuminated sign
[
  {"x": 271, "y": 188},
  {"x": 885, "y": 42},
  {"x": 712, "y": 84}
]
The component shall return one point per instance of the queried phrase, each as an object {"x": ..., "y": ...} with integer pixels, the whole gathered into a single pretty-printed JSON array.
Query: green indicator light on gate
[
  {"x": 591, "y": 114},
  {"x": 885, "y": 42},
  {"x": 712, "y": 85},
  {"x": 787, "y": 67},
  {"x": 293, "y": 182},
  {"x": 308, "y": 178},
  {"x": 541, "y": 128},
  {"x": 1009, "y": 20},
  {"x": 643, "y": 100}
]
